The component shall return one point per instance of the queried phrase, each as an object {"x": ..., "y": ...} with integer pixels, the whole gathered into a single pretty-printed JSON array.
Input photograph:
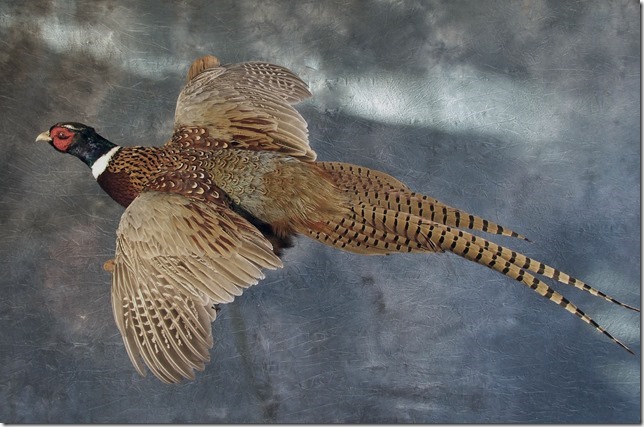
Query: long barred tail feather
[
  {"x": 377, "y": 188},
  {"x": 539, "y": 267},
  {"x": 384, "y": 216},
  {"x": 474, "y": 252}
]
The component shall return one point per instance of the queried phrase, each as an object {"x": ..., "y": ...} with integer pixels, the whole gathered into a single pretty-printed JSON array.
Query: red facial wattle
[{"x": 61, "y": 137}]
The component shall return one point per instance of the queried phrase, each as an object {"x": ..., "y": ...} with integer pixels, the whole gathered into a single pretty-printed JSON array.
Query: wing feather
[
  {"x": 246, "y": 105},
  {"x": 175, "y": 258}
]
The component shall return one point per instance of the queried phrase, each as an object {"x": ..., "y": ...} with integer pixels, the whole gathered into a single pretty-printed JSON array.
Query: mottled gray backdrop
[{"x": 524, "y": 112}]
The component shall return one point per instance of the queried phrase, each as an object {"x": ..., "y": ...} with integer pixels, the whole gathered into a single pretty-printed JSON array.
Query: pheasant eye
[{"x": 62, "y": 135}]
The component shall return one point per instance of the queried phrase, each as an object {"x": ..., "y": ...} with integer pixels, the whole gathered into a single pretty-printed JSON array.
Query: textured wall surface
[{"x": 524, "y": 112}]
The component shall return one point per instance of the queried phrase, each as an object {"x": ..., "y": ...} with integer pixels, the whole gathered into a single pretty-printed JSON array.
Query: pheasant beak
[{"x": 44, "y": 137}]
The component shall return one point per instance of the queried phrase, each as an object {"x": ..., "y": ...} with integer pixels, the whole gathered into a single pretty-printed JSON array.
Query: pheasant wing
[
  {"x": 245, "y": 105},
  {"x": 175, "y": 258}
]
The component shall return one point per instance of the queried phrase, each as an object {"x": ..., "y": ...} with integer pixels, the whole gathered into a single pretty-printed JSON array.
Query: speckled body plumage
[
  {"x": 267, "y": 185},
  {"x": 214, "y": 206}
]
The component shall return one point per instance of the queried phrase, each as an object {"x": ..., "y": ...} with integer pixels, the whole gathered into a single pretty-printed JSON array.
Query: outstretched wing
[
  {"x": 246, "y": 105},
  {"x": 175, "y": 258}
]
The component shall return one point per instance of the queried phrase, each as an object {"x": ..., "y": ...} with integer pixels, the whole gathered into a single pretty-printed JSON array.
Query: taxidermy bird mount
[{"x": 209, "y": 210}]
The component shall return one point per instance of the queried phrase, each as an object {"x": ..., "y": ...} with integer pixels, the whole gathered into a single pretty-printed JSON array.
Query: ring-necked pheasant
[{"x": 206, "y": 212}]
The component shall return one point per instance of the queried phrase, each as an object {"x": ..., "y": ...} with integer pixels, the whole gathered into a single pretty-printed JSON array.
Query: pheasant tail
[{"x": 384, "y": 216}]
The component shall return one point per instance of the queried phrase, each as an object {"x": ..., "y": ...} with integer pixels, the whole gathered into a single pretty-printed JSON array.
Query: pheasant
[{"x": 216, "y": 205}]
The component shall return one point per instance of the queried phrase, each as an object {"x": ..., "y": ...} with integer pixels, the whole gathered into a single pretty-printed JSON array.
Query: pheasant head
[{"x": 80, "y": 141}]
